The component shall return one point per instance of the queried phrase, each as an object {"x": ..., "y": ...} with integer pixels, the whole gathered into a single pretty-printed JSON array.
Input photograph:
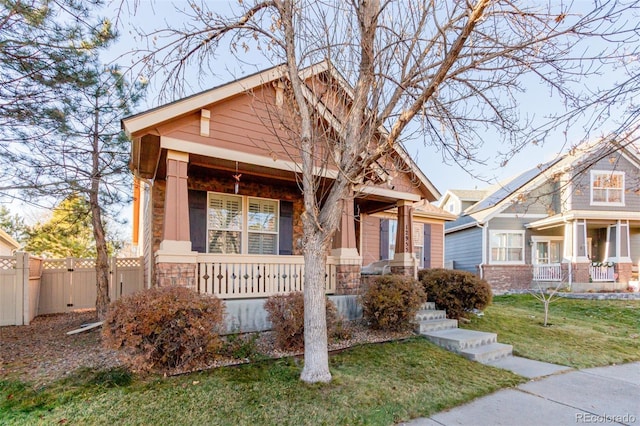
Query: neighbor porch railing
[
  {"x": 234, "y": 277},
  {"x": 602, "y": 273},
  {"x": 548, "y": 272}
]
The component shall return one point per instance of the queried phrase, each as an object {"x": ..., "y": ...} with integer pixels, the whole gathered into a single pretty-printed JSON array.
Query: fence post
[
  {"x": 112, "y": 282},
  {"x": 22, "y": 288}
]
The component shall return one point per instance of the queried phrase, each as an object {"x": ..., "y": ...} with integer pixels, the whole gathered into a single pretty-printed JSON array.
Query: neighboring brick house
[
  {"x": 218, "y": 204},
  {"x": 575, "y": 219}
]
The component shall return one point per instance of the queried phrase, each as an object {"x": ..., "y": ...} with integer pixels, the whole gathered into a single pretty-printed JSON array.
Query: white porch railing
[
  {"x": 549, "y": 272},
  {"x": 602, "y": 273},
  {"x": 238, "y": 276}
]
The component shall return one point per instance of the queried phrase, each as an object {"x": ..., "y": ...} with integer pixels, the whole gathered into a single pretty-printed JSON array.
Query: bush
[
  {"x": 286, "y": 314},
  {"x": 458, "y": 292},
  {"x": 165, "y": 328},
  {"x": 391, "y": 302}
]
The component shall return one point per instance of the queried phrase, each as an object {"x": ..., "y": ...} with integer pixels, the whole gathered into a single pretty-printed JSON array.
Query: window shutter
[
  {"x": 286, "y": 228},
  {"x": 384, "y": 239},
  {"x": 427, "y": 246},
  {"x": 198, "y": 220}
]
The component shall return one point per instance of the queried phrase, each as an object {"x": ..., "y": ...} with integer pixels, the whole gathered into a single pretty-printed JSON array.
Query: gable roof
[
  {"x": 500, "y": 196},
  {"x": 468, "y": 194},
  {"x": 135, "y": 124}
]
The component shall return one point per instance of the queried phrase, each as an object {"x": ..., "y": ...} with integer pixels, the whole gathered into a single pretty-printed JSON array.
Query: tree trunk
[
  {"x": 316, "y": 356},
  {"x": 102, "y": 259},
  {"x": 102, "y": 255}
]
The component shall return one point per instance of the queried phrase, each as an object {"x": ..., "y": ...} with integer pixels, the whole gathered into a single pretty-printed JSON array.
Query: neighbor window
[
  {"x": 228, "y": 223},
  {"x": 547, "y": 252},
  {"x": 507, "y": 246},
  {"x": 607, "y": 187}
]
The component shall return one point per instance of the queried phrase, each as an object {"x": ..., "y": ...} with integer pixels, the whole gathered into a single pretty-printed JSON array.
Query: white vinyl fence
[{"x": 59, "y": 285}]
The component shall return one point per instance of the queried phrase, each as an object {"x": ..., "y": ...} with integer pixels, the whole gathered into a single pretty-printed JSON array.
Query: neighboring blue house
[{"x": 574, "y": 219}]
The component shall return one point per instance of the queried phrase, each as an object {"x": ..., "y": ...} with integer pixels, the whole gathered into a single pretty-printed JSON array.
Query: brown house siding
[
  {"x": 437, "y": 245},
  {"x": 370, "y": 231}
]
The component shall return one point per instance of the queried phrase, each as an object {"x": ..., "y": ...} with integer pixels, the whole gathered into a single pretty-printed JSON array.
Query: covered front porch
[
  {"x": 589, "y": 253},
  {"x": 240, "y": 238}
]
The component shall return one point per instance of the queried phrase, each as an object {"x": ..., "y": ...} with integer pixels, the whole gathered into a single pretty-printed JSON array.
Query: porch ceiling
[{"x": 145, "y": 155}]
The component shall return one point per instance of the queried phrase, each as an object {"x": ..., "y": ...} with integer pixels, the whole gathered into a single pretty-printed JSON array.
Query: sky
[
  {"x": 536, "y": 101},
  {"x": 444, "y": 174}
]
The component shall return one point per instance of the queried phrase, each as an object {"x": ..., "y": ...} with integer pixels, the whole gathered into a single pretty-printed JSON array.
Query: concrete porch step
[
  {"x": 428, "y": 306},
  {"x": 457, "y": 340},
  {"x": 488, "y": 353},
  {"x": 430, "y": 314},
  {"x": 430, "y": 326}
]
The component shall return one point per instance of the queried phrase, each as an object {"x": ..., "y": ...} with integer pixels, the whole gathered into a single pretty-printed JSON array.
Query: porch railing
[
  {"x": 602, "y": 273},
  {"x": 235, "y": 277},
  {"x": 550, "y": 272}
]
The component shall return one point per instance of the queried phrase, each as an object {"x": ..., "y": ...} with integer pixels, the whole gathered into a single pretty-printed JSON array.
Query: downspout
[{"x": 484, "y": 248}]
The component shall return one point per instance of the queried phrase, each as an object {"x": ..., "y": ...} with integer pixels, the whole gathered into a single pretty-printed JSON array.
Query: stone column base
[
  {"x": 347, "y": 279},
  {"x": 407, "y": 271},
  {"x": 176, "y": 274}
]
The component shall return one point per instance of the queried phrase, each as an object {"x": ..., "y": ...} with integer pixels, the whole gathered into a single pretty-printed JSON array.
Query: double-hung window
[
  {"x": 238, "y": 224},
  {"x": 263, "y": 226},
  {"x": 607, "y": 188},
  {"x": 507, "y": 247}
]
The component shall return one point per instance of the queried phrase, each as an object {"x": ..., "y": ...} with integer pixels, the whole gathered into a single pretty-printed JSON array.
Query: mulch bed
[{"x": 42, "y": 352}]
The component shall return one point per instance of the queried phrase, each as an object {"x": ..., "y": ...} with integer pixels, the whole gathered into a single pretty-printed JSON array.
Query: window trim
[
  {"x": 506, "y": 262},
  {"x": 592, "y": 177},
  {"x": 244, "y": 228}
]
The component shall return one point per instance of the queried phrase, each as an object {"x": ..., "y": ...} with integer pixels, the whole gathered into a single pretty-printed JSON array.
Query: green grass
[
  {"x": 372, "y": 384},
  {"x": 581, "y": 334}
]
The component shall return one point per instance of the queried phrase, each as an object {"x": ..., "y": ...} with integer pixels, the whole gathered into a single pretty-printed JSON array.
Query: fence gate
[{"x": 70, "y": 284}]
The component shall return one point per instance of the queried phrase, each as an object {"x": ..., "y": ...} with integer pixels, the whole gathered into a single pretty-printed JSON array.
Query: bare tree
[{"x": 453, "y": 67}]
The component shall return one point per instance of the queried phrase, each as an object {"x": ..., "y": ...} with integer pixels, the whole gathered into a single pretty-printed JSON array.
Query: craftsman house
[
  {"x": 575, "y": 219},
  {"x": 217, "y": 199}
]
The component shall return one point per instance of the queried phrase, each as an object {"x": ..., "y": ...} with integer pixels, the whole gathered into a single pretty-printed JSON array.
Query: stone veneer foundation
[{"x": 176, "y": 274}]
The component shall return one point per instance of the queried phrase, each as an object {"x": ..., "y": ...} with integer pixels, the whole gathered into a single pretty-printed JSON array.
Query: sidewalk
[{"x": 604, "y": 395}]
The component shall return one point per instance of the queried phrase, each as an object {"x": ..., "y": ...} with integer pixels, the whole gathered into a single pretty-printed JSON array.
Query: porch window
[
  {"x": 263, "y": 230},
  {"x": 547, "y": 251},
  {"x": 418, "y": 243},
  {"x": 388, "y": 232},
  {"x": 224, "y": 224},
  {"x": 229, "y": 221},
  {"x": 393, "y": 230},
  {"x": 507, "y": 247},
  {"x": 607, "y": 188}
]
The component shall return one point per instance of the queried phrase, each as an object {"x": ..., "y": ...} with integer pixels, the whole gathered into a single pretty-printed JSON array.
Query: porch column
[
  {"x": 404, "y": 261},
  {"x": 175, "y": 262},
  {"x": 345, "y": 255},
  {"x": 622, "y": 256},
  {"x": 580, "y": 256}
]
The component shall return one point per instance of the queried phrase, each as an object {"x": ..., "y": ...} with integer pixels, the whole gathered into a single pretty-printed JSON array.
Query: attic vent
[
  {"x": 279, "y": 87},
  {"x": 205, "y": 115}
]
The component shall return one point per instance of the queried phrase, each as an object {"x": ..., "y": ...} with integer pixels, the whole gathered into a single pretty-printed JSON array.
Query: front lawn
[
  {"x": 373, "y": 384},
  {"x": 582, "y": 333}
]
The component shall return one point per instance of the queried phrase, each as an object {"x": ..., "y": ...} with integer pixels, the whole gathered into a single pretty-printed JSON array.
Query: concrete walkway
[{"x": 557, "y": 396}]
